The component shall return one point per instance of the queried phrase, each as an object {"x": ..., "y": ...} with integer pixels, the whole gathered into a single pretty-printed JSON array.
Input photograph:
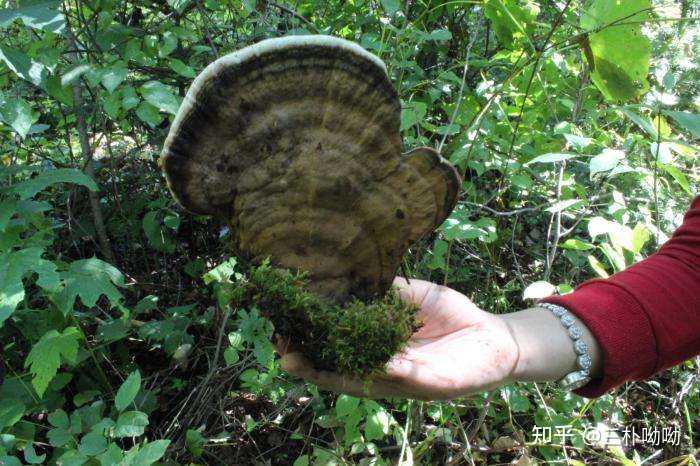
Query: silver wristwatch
[{"x": 581, "y": 377}]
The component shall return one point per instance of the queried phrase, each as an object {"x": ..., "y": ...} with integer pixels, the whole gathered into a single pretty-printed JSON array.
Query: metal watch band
[{"x": 581, "y": 377}]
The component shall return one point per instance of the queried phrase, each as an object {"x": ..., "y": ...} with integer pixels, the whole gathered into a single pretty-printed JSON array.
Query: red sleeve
[{"x": 647, "y": 317}]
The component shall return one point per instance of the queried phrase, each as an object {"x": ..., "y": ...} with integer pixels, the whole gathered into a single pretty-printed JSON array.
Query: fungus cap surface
[{"x": 295, "y": 143}]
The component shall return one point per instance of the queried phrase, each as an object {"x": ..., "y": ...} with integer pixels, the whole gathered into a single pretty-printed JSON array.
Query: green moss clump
[{"x": 355, "y": 338}]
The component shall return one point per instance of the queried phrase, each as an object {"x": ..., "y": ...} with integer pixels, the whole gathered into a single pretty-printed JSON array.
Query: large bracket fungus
[{"x": 295, "y": 143}]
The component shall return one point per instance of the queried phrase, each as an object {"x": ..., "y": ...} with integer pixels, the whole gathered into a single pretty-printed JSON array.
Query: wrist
[{"x": 545, "y": 350}]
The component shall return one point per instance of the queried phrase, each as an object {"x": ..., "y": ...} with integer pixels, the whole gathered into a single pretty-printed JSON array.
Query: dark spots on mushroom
[{"x": 399, "y": 214}]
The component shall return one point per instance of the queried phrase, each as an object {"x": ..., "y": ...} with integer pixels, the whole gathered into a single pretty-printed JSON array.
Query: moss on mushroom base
[{"x": 355, "y": 338}]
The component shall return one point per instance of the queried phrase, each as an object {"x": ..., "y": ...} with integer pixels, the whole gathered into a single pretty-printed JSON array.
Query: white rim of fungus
[{"x": 255, "y": 50}]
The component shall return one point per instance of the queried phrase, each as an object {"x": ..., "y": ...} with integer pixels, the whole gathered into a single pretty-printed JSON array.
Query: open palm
[{"x": 460, "y": 349}]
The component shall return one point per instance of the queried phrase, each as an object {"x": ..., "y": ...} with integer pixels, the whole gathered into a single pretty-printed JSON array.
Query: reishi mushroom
[{"x": 295, "y": 143}]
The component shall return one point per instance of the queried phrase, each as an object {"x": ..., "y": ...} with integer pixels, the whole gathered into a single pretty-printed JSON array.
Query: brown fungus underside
[{"x": 295, "y": 143}]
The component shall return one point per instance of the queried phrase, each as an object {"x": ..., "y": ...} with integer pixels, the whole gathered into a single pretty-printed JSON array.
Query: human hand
[{"x": 460, "y": 349}]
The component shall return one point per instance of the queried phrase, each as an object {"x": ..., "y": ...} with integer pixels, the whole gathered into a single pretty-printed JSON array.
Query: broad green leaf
[
  {"x": 551, "y": 158},
  {"x": 11, "y": 411},
  {"x": 413, "y": 113},
  {"x": 148, "y": 114},
  {"x": 92, "y": 444},
  {"x": 46, "y": 355},
  {"x": 677, "y": 175},
  {"x": 113, "y": 77},
  {"x": 112, "y": 456},
  {"x": 17, "y": 113},
  {"x": 182, "y": 69},
  {"x": 619, "y": 50},
  {"x": 74, "y": 74},
  {"x": 689, "y": 121},
  {"x": 151, "y": 452},
  {"x": 43, "y": 180},
  {"x": 179, "y": 5},
  {"x": 509, "y": 19},
  {"x": 30, "y": 455},
  {"x": 440, "y": 35},
  {"x": 23, "y": 66},
  {"x": 89, "y": 279},
  {"x": 157, "y": 236},
  {"x": 578, "y": 143},
  {"x": 130, "y": 424},
  {"x": 194, "y": 442},
  {"x": 391, "y": 6},
  {"x": 641, "y": 121},
  {"x": 377, "y": 425},
  {"x": 16, "y": 265},
  {"x": 8, "y": 208},
  {"x": 160, "y": 96},
  {"x": 128, "y": 391},
  {"x": 59, "y": 419},
  {"x": 221, "y": 273},
  {"x": 576, "y": 245},
  {"x": 605, "y": 161},
  {"x": 598, "y": 267},
  {"x": 346, "y": 405},
  {"x": 43, "y": 15}
]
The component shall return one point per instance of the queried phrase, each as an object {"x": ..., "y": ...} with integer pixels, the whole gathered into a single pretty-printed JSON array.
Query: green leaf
[
  {"x": 43, "y": 180},
  {"x": 11, "y": 411},
  {"x": 605, "y": 161},
  {"x": 74, "y": 74},
  {"x": 689, "y": 121},
  {"x": 677, "y": 175},
  {"x": 182, "y": 69},
  {"x": 551, "y": 158},
  {"x": 150, "y": 452},
  {"x": 92, "y": 444},
  {"x": 194, "y": 442},
  {"x": 641, "y": 121},
  {"x": 130, "y": 424},
  {"x": 89, "y": 279},
  {"x": 59, "y": 419},
  {"x": 17, "y": 113},
  {"x": 157, "y": 236},
  {"x": 16, "y": 265},
  {"x": 148, "y": 114},
  {"x": 391, "y": 6},
  {"x": 160, "y": 96},
  {"x": 509, "y": 19},
  {"x": 23, "y": 66},
  {"x": 113, "y": 77},
  {"x": 45, "y": 357},
  {"x": 620, "y": 52},
  {"x": 221, "y": 273},
  {"x": 440, "y": 35},
  {"x": 112, "y": 456},
  {"x": 30, "y": 455},
  {"x": 576, "y": 245},
  {"x": 44, "y": 15},
  {"x": 231, "y": 356},
  {"x": 598, "y": 267},
  {"x": 128, "y": 391},
  {"x": 346, "y": 405},
  {"x": 377, "y": 425},
  {"x": 413, "y": 113}
]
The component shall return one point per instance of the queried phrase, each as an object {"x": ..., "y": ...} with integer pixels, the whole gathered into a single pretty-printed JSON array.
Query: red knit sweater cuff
[{"x": 622, "y": 329}]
